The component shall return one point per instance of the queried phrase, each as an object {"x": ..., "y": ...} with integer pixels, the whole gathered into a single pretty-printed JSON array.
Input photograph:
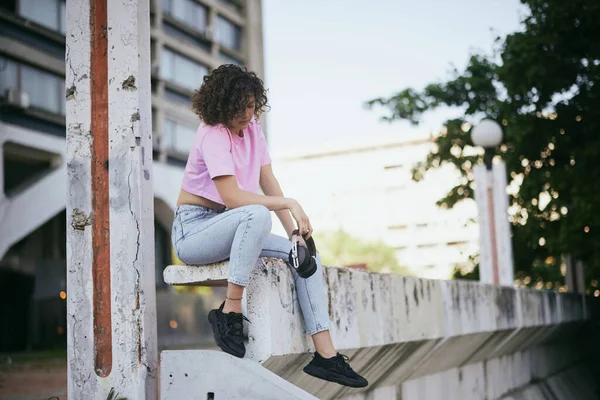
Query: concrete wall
[{"x": 409, "y": 336}]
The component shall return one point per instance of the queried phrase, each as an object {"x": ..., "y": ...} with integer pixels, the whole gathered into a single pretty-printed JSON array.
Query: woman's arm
[
  {"x": 234, "y": 197},
  {"x": 271, "y": 187}
]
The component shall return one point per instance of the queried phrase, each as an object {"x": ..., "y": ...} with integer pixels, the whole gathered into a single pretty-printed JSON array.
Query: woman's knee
[{"x": 261, "y": 215}]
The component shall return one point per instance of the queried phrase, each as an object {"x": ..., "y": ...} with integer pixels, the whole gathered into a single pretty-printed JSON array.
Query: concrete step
[{"x": 214, "y": 375}]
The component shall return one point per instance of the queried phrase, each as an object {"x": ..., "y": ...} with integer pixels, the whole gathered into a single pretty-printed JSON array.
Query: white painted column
[
  {"x": 253, "y": 45},
  {"x": 111, "y": 307},
  {"x": 574, "y": 277},
  {"x": 496, "y": 265},
  {"x": 3, "y": 202},
  {"x": 2, "y": 141}
]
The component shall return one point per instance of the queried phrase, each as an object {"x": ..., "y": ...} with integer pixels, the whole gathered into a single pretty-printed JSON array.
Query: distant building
[
  {"x": 366, "y": 189},
  {"x": 188, "y": 38}
]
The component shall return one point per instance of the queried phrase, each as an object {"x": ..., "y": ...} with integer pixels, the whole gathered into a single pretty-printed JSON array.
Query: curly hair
[{"x": 225, "y": 92}]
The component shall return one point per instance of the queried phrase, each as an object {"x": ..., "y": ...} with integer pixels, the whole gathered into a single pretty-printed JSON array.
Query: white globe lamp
[{"x": 487, "y": 134}]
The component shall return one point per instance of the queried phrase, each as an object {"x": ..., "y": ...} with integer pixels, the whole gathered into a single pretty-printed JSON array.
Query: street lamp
[
  {"x": 495, "y": 257},
  {"x": 487, "y": 134}
]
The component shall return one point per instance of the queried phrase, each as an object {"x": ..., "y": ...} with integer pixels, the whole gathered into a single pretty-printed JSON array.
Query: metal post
[{"x": 111, "y": 307}]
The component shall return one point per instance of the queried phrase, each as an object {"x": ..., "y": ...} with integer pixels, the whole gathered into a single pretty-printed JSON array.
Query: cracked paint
[
  {"x": 70, "y": 94},
  {"x": 79, "y": 220},
  {"x": 129, "y": 83}
]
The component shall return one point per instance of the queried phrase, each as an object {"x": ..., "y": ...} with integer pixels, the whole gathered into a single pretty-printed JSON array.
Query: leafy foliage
[{"x": 542, "y": 85}]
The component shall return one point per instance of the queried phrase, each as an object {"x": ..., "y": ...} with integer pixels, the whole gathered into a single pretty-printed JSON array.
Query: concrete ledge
[
  {"x": 205, "y": 275},
  {"x": 396, "y": 328}
]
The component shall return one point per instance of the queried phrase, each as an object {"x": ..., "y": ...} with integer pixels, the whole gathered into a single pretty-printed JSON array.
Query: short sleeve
[
  {"x": 265, "y": 158},
  {"x": 216, "y": 151}
]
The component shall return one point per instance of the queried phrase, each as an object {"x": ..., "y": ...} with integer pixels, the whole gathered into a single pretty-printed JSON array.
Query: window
[
  {"x": 177, "y": 137},
  {"x": 178, "y": 97},
  {"x": 187, "y": 11},
  {"x": 181, "y": 70},
  {"x": 46, "y": 91},
  {"x": 237, "y": 4},
  {"x": 8, "y": 75},
  {"x": 62, "y": 18},
  {"x": 49, "y": 13},
  {"x": 227, "y": 59},
  {"x": 229, "y": 34},
  {"x": 186, "y": 35}
]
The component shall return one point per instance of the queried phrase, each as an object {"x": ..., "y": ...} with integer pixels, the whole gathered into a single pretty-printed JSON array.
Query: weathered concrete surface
[
  {"x": 574, "y": 383},
  {"x": 111, "y": 310},
  {"x": 543, "y": 372},
  {"x": 398, "y": 329},
  {"x": 225, "y": 376}
]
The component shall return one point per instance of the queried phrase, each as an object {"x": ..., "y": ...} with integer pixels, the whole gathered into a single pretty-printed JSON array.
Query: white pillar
[
  {"x": 111, "y": 307},
  {"x": 574, "y": 277},
  {"x": 496, "y": 265},
  {"x": 2, "y": 195},
  {"x": 3, "y": 202},
  {"x": 253, "y": 45}
]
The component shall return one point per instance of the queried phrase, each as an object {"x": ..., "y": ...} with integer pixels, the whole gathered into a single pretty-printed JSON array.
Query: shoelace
[
  {"x": 343, "y": 361},
  {"x": 235, "y": 324}
]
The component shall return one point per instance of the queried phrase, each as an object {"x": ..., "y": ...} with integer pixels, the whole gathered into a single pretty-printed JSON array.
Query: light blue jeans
[{"x": 242, "y": 235}]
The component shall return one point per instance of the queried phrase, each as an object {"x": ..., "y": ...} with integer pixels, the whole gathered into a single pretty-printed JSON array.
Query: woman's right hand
[{"x": 302, "y": 221}]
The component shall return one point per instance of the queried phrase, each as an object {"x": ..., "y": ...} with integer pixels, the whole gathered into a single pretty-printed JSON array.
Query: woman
[{"x": 221, "y": 214}]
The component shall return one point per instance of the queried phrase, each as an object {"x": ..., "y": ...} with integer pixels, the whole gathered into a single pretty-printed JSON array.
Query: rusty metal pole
[{"x": 111, "y": 307}]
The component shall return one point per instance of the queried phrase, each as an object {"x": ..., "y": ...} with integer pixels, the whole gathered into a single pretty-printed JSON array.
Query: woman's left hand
[{"x": 302, "y": 242}]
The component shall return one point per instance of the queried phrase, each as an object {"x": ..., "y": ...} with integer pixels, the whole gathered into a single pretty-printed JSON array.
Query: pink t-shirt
[{"x": 218, "y": 152}]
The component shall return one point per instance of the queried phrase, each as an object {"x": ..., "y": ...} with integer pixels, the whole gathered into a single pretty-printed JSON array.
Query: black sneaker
[
  {"x": 335, "y": 369},
  {"x": 228, "y": 330}
]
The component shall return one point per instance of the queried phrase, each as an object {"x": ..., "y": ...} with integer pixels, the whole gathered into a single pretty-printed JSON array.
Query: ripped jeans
[{"x": 242, "y": 235}]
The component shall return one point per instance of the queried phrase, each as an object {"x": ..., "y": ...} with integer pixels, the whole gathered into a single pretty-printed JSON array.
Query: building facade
[
  {"x": 188, "y": 39},
  {"x": 365, "y": 188}
]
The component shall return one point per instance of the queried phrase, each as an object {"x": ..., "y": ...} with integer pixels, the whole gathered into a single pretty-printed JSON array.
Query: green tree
[
  {"x": 339, "y": 248},
  {"x": 543, "y": 85}
]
